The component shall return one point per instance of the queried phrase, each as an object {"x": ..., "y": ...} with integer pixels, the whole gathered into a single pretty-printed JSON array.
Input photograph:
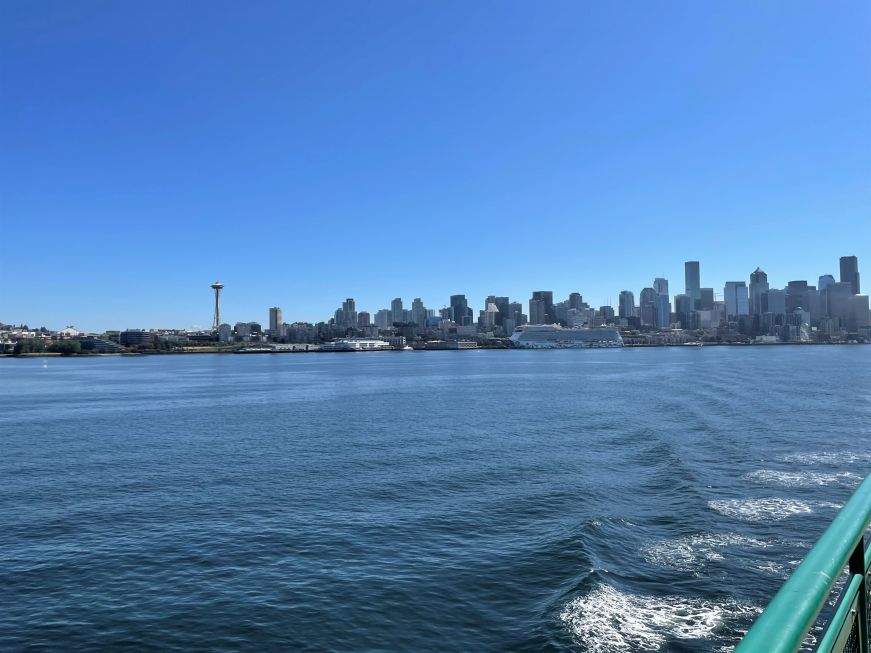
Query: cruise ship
[
  {"x": 553, "y": 336},
  {"x": 357, "y": 344}
]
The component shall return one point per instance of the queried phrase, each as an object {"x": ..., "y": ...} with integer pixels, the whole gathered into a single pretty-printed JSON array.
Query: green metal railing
[{"x": 784, "y": 625}]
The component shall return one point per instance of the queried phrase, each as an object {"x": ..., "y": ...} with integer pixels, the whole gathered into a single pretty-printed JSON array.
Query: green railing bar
[
  {"x": 783, "y": 625},
  {"x": 841, "y": 619}
]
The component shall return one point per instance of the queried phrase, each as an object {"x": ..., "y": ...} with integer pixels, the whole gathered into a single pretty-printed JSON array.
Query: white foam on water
[
  {"x": 803, "y": 478},
  {"x": 607, "y": 620},
  {"x": 760, "y": 510},
  {"x": 692, "y": 552},
  {"x": 827, "y": 458}
]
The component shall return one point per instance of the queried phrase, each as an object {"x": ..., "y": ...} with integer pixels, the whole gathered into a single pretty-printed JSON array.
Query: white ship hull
[{"x": 556, "y": 337}]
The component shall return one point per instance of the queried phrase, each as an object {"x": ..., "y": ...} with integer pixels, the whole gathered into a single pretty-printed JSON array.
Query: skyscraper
[
  {"x": 537, "y": 311},
  {"x": 850, "y": 272},
  {"x": 647, "y": 305},
  {"x": 545, "y": 296},
  {"x": 693, "y": 282},
  {"x": 626, "y": 305},
  {"x": 663, "y": 310},
  {"x": 349, "y": 312},
  {"x": 460, "y": 311},
  {"x": 275, "y": 321},
  {"x": 758, "y": 292},
  {"x": 396, "y": 312},
  {"x": 735, "y": 297},
  {"x": 660, "y": 285},
  {"x": 418, "y": 312},
  {"x": 797, "y": 296}
]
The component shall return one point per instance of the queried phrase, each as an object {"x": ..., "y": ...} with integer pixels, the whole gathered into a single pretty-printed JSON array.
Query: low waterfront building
[{"x": 357, "y": 344}]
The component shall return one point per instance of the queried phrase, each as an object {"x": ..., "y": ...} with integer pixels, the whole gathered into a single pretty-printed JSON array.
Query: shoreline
[{"x": 316, "y": 351}]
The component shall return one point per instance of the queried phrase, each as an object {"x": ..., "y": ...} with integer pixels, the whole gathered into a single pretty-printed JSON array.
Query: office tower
[
  {"x": 487, "y": 319},
  {"x": 693, "y": 282},
  {"x": 837, "y": 300},
  {"x": 706, "y": 299},
  {"x": 626, "y": 304},
  {"x": 663, "y": 310},
  {"x": 502, "y": 305},
  {"x": 850, "y": 272},
  {"x": 824, "y": 281},
  {"x": 758, "y": 290},
  {"x": 736, "y": 299},
  {"x": 857, "y": 313},
  {"x": 418, "y": 312},
  {"x": 384, "y": 318},
  {"x": 275, "y": 321},
  {"x": 576, "y": 301},
  {"x": 606, "y": 312},
  {"x": 460, "y": 311},
  {"x": 349, "y": 312},
  {"x": 684, "y": 308},
  {"x": 647, "y": 305},
  {"x": 797, "y": 296},
  {"x": 660, "y": 285},
  {"x": 776, "y": 301},
  {"x": 363, "y": 319},
  {"x": 396, "y": 311},
  {"x": 537, "y": 311},
  {"x": 545, "y": 296}
]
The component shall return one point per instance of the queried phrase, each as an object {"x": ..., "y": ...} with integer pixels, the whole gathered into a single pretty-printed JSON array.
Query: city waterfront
[{"x": 603, "y": 500}]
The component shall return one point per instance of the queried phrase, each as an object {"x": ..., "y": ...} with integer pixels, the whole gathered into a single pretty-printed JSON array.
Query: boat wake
[
  {"x": 692, "y": 553},
  {"x": 803, "y": 479},
  {"x": 607, "y": 620},
  {"x": 760, "y": 510}
]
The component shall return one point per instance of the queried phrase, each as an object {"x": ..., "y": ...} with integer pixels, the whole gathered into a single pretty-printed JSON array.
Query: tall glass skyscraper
[
  {"x": 850, "y": 272},
  {"x": 693, "y": 282}
]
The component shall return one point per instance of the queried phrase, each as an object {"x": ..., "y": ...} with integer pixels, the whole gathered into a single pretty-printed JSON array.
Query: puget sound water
[{"x": 599, "y": 501}]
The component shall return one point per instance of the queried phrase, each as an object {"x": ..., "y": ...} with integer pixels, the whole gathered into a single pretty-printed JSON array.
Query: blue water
[{"x": 601, "y": 501}]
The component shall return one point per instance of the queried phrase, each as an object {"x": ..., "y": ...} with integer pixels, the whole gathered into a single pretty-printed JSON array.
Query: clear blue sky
[{"x": 307, "y": 152}]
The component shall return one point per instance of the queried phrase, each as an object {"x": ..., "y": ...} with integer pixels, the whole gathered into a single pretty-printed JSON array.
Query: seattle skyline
[{"x": 306, "y": 154}]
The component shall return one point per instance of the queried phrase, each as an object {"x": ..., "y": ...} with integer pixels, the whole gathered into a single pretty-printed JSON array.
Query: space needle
[{"x": 217, "y": 288}]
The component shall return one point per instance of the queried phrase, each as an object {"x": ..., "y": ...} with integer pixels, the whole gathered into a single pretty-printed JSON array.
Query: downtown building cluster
[
  {"x": 746, "y": 311},
  {"x": 751, "y": 311}
]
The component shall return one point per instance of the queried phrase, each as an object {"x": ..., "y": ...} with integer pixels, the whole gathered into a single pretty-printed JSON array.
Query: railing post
[{"x": 857, "y": 566}]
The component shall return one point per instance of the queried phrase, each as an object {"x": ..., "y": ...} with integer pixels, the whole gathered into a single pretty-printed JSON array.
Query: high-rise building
[
  {"x": 461, "y": 314},
  {"x": 692, "y": 282},
  {"x": 349, "y": 312},
  {"x": 537, "y": 311},
  {"x": 626, "y": 304},
  {"x": 384, "y": 318},
  {"x": 576, "y": 301},
  {"x": 758, "y": 291},
  {"x": 663, "y": 310},
  {"x": 545, "y": 296},
  {"x": 850, "y": 272},
  {"x": 776, "y": 301},
  {"x": 397, "y": 314},
  {"x": 275, "y": 322},
  {"x": 838, "y": 300},
  {"x": 797, "y": 296},
  {"x": 418, "y": 312},
  {"x": 363, "y": 319},
  {"x": 647, "y": 301},
  {"x": 706, "y": 299},
  {"x": 735, "y": 297},
  {"x": 660, "y": 285},
  {"x": 824, "y": 281},
  {"x": 684, "y": 308}
]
